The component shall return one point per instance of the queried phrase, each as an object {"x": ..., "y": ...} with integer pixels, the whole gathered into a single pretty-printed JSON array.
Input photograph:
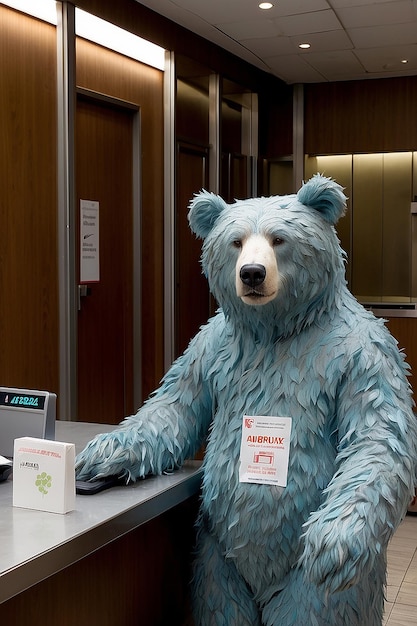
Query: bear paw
[
  {"x": 336, "y": 556},
  {"x": 103, "y": 456}
]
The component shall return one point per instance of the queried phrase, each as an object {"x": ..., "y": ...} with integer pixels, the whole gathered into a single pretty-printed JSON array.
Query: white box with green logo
[{"x": 44, "y": 475}]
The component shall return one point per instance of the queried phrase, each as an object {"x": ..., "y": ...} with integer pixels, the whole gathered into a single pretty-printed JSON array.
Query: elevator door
[{"x": 104, "y": 173}]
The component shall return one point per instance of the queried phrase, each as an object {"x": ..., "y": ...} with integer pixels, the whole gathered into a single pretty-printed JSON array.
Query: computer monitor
[{"x": 25, "y": 413}]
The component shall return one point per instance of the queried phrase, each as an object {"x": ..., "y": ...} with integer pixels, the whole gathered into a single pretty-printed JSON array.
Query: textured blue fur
[{"x": 314, "y": 552}]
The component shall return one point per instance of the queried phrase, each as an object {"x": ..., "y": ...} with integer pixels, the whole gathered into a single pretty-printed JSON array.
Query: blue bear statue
[{"x": 291, "y": 344}]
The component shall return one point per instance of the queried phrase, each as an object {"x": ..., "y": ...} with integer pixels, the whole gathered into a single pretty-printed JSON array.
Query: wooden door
[{"x": 104, "y": 173}]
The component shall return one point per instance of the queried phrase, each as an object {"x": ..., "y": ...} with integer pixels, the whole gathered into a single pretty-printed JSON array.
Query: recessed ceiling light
[
  {"x": 265, "y": 5},
  {"x": 304, "y": 46},
  {"x": 404, "y": 60}
]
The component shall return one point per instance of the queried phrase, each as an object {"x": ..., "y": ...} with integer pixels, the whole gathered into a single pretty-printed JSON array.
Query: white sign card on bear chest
[{"x": 264, "y": 450}]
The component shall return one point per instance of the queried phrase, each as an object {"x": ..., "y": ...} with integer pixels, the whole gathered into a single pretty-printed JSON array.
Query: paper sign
[
  {"x": 264, "y": 450},
  {"x": 89, "y": 242}
]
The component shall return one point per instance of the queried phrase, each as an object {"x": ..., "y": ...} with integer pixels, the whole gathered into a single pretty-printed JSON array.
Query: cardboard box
[{"x": 44, "y": 475}]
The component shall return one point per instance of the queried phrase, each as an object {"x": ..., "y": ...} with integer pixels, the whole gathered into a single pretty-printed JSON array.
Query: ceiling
[{"x": 350, "y": 39}]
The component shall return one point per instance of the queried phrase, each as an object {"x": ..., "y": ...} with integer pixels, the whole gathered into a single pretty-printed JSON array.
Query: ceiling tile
[
  {"x": 295, "y": 7},
  {"x": 271, "y": 46},
  {"x": 350, "y": 39},
  {"x": 315, "y": 22},
  {"x": 389, "y": 35},
  {"x": 294, "y": 69},
  {"x": 219, "y": 11},
  {"x": 331, "y": 40},
  {"x": 249, "y": 28},
  {"x": 388, "y": 59},
  {"x": 355, "y": 3},
  {"x": 376, "y": 14},
  {"x": 336, "y": 65}
]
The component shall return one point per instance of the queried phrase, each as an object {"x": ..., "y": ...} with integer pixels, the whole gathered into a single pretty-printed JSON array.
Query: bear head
[{"x": 273, "y": 261}]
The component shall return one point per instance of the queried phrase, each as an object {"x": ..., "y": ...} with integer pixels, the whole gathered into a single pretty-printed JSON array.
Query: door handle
[{"x": 83, "y": 292}]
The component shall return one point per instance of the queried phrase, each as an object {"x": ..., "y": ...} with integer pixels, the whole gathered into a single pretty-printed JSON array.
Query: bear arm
[
  {"x": 167, "y": 429},
  {"x": 368, "y": 495}
]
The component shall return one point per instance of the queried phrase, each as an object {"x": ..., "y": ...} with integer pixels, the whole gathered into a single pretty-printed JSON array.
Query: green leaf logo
[{"x": 43, "y": 482}]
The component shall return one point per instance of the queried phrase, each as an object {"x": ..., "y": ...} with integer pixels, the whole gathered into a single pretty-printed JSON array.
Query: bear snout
[
  {"x": 256, "y": 275},
  {"x": 252, "y": 274}
]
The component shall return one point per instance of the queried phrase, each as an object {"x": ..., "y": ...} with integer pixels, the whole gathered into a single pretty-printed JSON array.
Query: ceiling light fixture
[
  {"x": 265, "y": 5},
  {"x": 45, "y": 11},
  {"x": 97, "y": 30},
  {"x": 404, "y": 60},
  {"x": 304, "y": 46},
  {"x": 110, "y": 36}
]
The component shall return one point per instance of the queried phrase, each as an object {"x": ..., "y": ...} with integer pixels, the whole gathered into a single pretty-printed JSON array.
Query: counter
[{"x": 35, "y": 545}]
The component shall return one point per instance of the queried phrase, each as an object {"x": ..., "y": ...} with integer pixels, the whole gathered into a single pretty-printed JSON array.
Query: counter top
[{"x": 36, "y": 544}]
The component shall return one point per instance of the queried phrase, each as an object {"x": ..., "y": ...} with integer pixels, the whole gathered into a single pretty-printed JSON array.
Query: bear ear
[
  {"x": 324, "y": 195},
  {"x": 205, "y": 208}
]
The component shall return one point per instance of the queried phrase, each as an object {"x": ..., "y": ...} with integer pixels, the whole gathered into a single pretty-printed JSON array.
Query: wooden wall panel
[
  {"x": 28, "y": 208},
  {"x": 361, "y": 116},
  {"x": 103, "y": 71}
]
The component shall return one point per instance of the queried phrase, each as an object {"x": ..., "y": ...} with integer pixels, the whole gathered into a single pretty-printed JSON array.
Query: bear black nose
[{"x": 252, "y": 274}]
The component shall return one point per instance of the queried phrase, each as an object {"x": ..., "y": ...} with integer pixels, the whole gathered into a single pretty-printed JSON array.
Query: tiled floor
[{"x": 401, "y": 604}]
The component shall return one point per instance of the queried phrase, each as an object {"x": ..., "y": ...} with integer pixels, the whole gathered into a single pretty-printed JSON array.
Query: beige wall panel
[
  {"x": 397, "y": 193},
  {"x": 28, "y": 207},
  {"x": 338, "y": 167},
  {"x": 367, "y": 226}
]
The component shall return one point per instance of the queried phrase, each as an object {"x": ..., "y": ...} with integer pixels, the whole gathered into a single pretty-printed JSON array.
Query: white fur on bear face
[{"x": 257, "y": 251}]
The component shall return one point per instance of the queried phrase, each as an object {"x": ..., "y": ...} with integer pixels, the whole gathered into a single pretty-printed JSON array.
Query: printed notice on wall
[
  {"x": 264, "y": 450},
  {"x": 89, "y": 242}
]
